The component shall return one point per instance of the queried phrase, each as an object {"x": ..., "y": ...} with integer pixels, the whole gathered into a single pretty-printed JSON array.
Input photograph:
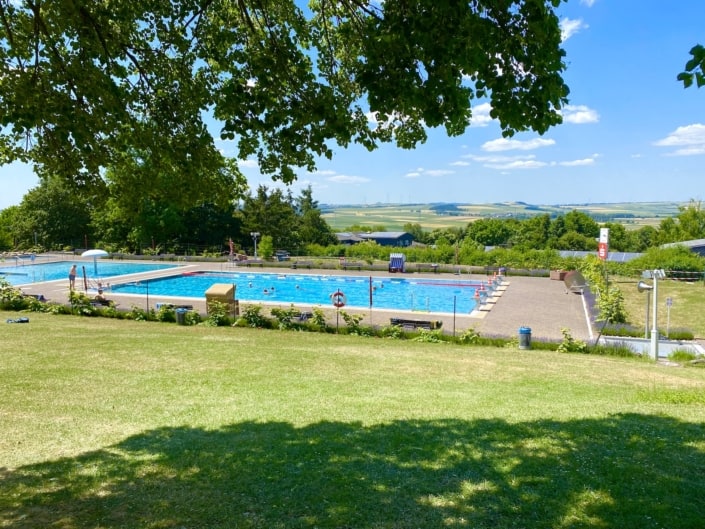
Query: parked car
[{"x": 281, "y": 255}]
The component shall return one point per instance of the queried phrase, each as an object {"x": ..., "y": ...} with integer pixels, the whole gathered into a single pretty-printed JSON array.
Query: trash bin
[
  {"x": 524, "y": 338},
  {"x": 181, "y": 316}
]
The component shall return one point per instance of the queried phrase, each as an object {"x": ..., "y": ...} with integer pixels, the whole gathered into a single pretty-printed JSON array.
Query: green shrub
[
  {"x": 318, "y": 320},
  {"x": 287, "y": 318},
  {"x": 166, "y": 313},
  {"x": 570, "y": 344},
  {"x": 391, "y": 331},
  {"x": 424, "y": 336},
  {"x": 682, "y": 355},
  {"x": 81, "y": 304},
  {"x": 680, "y": 334},
  {"x": 11, "y": 298},
  {"x": 191, "y": 317},
  {"x": 217, "y": 314},
  {"x": 138, "y": 314},
  {"x": 352, "y": 323},
  {"x": 469, "y": 336},
  {"x": 252, "y": 315}
]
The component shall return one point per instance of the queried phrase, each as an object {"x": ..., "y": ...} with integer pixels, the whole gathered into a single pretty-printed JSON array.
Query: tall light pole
[
  {"x": 645, "y": 287},
  {"x": 255, "y": 235},
  {"x": 655, "y": 275}
]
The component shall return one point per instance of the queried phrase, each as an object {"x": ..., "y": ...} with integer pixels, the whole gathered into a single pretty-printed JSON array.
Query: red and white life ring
[{"x": 338, "y": 299}]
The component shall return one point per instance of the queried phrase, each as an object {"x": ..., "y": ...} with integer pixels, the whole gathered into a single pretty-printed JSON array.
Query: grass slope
[
  {"x": 122, "y": 424},
  {"x": 687, "y": 309}
]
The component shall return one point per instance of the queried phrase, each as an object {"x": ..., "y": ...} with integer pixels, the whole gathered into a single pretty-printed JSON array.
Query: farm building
[{"x": 383, "y": 238}]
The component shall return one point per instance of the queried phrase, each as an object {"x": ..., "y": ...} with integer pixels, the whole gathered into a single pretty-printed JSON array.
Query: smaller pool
[{"x": 39, "y": 272}]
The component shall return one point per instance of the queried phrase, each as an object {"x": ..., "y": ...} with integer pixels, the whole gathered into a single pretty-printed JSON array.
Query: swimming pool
[
  {"x": 427, "y": 295},
  {"x": 34, "y": 273}
]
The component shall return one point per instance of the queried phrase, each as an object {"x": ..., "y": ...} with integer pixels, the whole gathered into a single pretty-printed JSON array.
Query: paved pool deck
[{"x": 539, "y": 303}]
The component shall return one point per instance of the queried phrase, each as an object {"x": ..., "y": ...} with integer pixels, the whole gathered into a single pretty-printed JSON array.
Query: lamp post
[
  {"x": 645, "y": 287},
  {"x": 655, "y": 275},
  {"x": 255, "y": 235}
]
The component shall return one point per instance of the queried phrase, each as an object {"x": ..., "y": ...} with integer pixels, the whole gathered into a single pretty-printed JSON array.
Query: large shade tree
[{"x": 83, "y": 83}]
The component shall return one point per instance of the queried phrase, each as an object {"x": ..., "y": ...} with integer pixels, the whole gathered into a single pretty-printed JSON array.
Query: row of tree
[
  {"x": 573, "y": 231},
  {"x": 55, "y": 216}
]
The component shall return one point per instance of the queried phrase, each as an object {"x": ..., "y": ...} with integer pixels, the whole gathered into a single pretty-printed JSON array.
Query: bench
[
  {"x": 172, "y": 306},
  {"x": 352, "y": 266},
  {"x": 38, "y": 297},
  {"x": 301, "y": 264},
  {"x": 304, "y": 316},
  {"x": 424, "y": 267},
  {"x": 100, "y": 303},
  {"x": 416, "y": 324}
]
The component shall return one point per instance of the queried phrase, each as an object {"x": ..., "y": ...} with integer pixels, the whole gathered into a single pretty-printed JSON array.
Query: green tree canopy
[
  {"x": 694, "y": 69},
  {"x": 53, "y": 216},
  {"x": 82, "y": 83}
]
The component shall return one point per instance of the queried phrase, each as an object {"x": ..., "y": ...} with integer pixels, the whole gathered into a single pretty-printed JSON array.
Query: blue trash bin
[{"x": 524, "y": 338}]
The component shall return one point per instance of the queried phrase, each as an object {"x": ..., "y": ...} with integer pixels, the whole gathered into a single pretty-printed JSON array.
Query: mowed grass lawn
[
  {"x": 122, "y": 424},
  {"x": 687, "y": 310}
]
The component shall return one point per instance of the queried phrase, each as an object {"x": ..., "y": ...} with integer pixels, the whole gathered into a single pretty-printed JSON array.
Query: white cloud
[
  {"x": 689, "y": 151},
  {"x": 459, "y": 163},
  {"x": 481, "y": 115},
  {"x": 439, "y": 172},
  {"x": 570, "y": 27},
  {"x": 579, "y": 114},
  {"x": 518, "y": 164},
  {"x": 689, "y": 140},
  {"x": 588, "y": 3},
  {"x": 428, "y": 172},
  {"x": 348, "y": 179},
  {"x": 504, "y": 144},
  {"x": 250, "y": 163},
  {"x": 578, "y": 163},
  {"x": 508, "y": 162},
  {"x": 498, "y": 158}
]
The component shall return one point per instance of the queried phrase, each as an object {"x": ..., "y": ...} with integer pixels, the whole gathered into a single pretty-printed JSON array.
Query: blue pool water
[
  {"x": 427, "y": 295},
  {"x": 33, "y": 273}
]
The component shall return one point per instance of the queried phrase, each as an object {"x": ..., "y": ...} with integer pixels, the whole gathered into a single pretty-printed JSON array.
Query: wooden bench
[
  {"x": 352, "y": 266},
  {"x": 301, "y": 264},
  {"x": 425, "y": 267},
  {"x": 416, "y": 324}
]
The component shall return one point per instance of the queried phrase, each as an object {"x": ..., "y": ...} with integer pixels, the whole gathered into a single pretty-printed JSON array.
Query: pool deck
[{"x": 535, "y": 302}]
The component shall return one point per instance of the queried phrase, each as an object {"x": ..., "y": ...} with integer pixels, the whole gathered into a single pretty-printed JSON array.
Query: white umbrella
[{"x": 95, "y": 254}]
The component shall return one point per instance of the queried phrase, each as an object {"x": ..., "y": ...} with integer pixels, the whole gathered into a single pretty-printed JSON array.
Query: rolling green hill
[{"x": 446, "y": 215}]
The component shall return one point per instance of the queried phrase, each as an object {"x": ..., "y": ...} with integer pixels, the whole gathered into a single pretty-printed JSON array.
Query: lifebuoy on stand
[{"x": 338, "y": 299}]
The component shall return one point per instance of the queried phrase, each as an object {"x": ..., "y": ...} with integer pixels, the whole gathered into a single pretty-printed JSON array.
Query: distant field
[{"x": 431, "y": 216}]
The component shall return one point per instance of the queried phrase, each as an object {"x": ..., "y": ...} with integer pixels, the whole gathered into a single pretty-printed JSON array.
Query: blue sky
[{"x": 631, "y": 132}]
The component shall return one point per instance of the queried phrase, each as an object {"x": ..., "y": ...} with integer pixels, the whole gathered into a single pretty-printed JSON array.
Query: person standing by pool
[{"x": 72, "y": 277}]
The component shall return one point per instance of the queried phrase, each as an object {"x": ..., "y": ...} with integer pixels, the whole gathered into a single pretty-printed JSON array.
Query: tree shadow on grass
[{"x": 626, "y": 471}]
